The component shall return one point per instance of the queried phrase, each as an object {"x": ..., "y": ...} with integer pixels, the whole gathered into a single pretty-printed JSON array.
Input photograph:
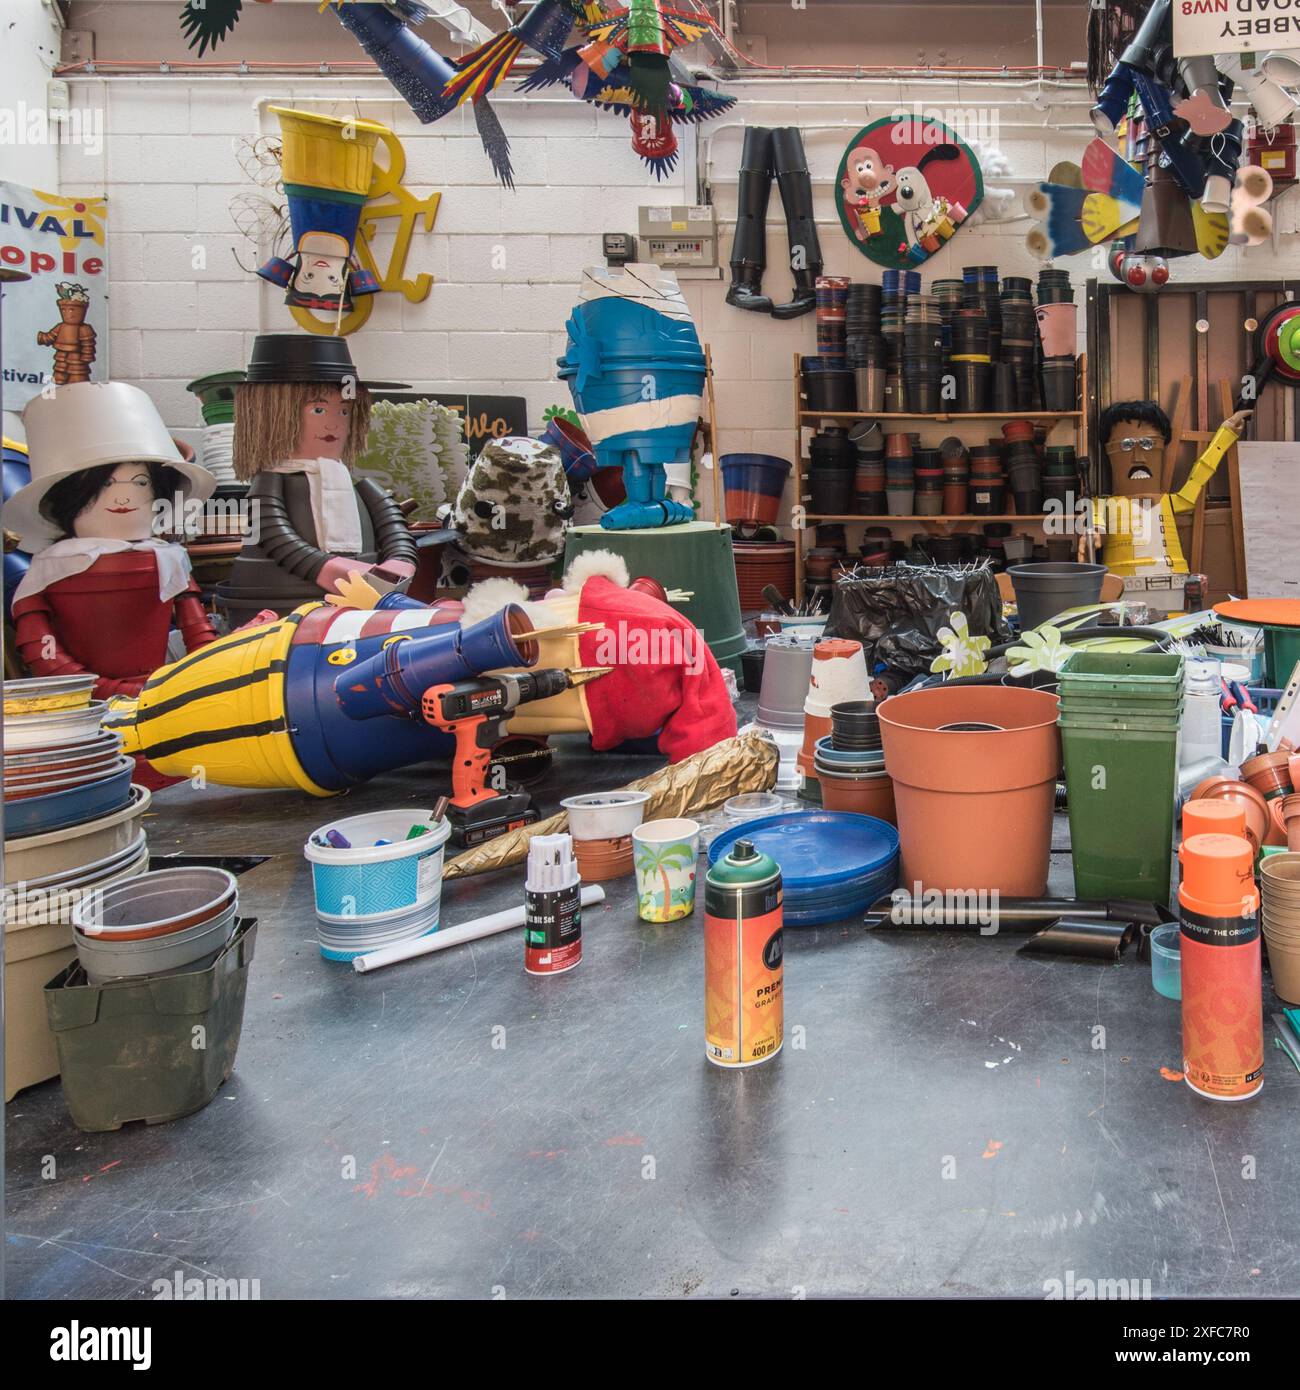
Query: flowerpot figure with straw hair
[{"x": 301, "y": 417}]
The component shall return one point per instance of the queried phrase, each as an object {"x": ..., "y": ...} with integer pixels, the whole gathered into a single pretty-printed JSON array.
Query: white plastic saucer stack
[
  {"x": 217, "y": 452},
  {"x": 60, "y": 767},
  {"x": 377, "y": 880}
]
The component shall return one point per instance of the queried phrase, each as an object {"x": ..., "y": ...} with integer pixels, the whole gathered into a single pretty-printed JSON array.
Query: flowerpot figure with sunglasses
[{"x": 1135, "y": 521}]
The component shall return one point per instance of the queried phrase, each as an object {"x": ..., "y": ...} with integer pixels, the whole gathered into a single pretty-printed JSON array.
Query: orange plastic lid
[
  {"x": 1218, "y": 873},
  {"x": 1213, "y": 818},
  {"x": 1278, "y": 612},
  {"x": 834, "y": 647}
]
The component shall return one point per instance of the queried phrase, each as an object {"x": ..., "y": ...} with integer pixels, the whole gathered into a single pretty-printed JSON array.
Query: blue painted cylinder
[
  {"x": 394, "y": 680},
  {"x": 418, "y": 72}
]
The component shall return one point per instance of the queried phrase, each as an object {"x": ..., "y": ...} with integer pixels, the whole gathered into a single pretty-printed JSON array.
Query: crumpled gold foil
[{"x": 746, "y": 763}]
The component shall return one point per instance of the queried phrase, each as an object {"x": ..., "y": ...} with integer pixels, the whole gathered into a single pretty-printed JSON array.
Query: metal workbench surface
[{"x": 946, "y": 1118}]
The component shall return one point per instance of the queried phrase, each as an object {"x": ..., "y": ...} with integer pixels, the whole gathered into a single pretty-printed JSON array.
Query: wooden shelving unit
[{"x": 806, "y": 419}]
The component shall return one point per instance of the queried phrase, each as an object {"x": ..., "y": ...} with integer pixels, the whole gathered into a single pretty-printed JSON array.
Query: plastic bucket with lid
[{"x": 369, "y": 891}]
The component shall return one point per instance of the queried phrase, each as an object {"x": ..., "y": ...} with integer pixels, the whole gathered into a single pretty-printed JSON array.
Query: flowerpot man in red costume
[
  {"x": 104, "y": 590},
  {"x": 301, "y": 417}
]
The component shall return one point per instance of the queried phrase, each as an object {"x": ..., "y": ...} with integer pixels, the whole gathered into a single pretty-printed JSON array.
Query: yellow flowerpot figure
[{"x": 1136, "y": 522}]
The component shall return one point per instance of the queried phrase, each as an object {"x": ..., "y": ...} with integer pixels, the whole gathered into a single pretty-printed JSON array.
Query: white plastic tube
[{"x": 457, "y": 936}]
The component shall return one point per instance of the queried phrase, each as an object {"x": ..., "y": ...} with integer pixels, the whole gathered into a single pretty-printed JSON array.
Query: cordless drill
[{"x": 476, "y": 712}]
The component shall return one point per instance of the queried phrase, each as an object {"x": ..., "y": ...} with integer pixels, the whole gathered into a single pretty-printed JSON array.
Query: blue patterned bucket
[{"x": 375, "y": 894}]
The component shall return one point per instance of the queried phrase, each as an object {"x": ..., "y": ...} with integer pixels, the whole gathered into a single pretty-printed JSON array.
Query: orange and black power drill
[{"x": 476, "y": 712}]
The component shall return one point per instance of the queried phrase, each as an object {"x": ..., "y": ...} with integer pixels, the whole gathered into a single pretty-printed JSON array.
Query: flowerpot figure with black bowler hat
[
  {"x": 1136, "y": 521},
  {"x": 301, "y": 417}
]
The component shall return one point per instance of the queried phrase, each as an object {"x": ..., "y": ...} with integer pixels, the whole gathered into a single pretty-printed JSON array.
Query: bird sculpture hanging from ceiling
[{"x": 621, "y": 59}]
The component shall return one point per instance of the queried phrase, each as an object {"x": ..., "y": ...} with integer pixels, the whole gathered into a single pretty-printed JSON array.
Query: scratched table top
[{"x": 947, "y": 1117}]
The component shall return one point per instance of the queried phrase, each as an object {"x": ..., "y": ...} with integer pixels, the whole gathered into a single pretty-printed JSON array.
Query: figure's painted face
[
  {"x": 1135, "y": 451},
  {"x": 325, "y": 422},
  {"x": 123, "y": 511},
  {"x": 320, "y": 276}
]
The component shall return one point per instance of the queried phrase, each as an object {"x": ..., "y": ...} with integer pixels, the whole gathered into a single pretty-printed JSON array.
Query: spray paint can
[
  {"x": 552, "y": 906},
  {"x": 1223, "y": 1002},
  {"x": 744, "y": 1020}
]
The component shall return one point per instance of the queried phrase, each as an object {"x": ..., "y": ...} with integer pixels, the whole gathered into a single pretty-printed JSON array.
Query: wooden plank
[
  {"x": 1234, "y": 495},
  {"x": 1176, "y": 436},
  {"x": 1151, "y": 326},
  {"x": 796, "y": 506},
  {"x": 715, "y": 456}
]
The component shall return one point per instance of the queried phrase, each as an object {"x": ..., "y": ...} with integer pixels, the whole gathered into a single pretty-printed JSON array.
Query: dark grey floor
[{"x": 943, "y": 1119}]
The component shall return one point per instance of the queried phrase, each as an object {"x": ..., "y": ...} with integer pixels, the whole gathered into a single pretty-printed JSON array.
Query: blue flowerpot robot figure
[{"x": 636, "y": 371}]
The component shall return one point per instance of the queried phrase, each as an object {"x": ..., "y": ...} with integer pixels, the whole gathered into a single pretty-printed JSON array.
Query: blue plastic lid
[{"x": 816, "y": 849}]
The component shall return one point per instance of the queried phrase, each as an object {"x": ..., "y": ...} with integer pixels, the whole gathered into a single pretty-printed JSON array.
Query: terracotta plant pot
[
  {"x": 838, "y": 674},
  {"x": 1284, "y": 815},
  {"x": 974, "y": 806},
  {"x": 868, "y": 796},
  {"x": 1238, "y": 794},
  {"x": 1269, "y": 774},
  {"x": 601, "y": 860}
]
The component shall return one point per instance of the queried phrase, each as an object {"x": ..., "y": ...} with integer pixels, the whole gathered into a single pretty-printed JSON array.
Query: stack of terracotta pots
[
  {"x": 850, "y": 763},
  {"x": 839, "y": 675},
  {"x": 987, "y": 481},
  {"x": 1280, "y": 920},
  {"x": 1271, "y": 775},
  {"x": 601, "y": 824},
  {"x": 956, "y": 476}
]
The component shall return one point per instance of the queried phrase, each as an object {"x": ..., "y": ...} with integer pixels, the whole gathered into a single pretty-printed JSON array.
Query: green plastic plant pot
[
  {"x": 695, "y": 556},
  {"x": 1120, "y": 673},
  {"x": 127, "y": 1049},
  {"x": 1121, "y": 786}
]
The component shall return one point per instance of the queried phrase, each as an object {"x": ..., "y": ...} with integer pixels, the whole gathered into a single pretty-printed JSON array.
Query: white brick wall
[{"x": 506, "y": 264}]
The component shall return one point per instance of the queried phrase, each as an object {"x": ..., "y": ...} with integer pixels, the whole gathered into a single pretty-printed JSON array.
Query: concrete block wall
[{"x": 506, "y": 264}]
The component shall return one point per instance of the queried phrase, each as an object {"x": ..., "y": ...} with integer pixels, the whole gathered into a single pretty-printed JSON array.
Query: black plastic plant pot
[{"x": 832, "y": 490}]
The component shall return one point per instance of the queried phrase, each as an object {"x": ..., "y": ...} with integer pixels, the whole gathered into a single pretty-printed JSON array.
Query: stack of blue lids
[{"x": 834, "y": 864}]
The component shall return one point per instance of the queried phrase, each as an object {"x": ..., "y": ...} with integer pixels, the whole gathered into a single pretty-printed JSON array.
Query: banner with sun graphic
[{"x": 56, "y": 320}]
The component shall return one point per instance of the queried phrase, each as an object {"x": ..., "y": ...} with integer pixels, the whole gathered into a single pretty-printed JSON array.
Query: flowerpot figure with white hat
[
  {"x": 301, "y": 418},
  {"x": 104, "y": 589}
]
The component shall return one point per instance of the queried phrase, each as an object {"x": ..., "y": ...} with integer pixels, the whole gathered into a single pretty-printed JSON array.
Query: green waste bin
[
  {"x": 151, "y": 1049},
  {"x": 695, "y": 556}
]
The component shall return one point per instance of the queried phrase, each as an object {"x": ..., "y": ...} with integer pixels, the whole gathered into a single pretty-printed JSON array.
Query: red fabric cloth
[
  {"x": 108, "y": 620},
  {"x": 664, "y": 680}
]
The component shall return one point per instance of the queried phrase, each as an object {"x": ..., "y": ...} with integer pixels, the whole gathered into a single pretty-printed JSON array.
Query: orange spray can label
[
  {"x": 1222, "y": 988},
  {"x": 743, "y": 972}
]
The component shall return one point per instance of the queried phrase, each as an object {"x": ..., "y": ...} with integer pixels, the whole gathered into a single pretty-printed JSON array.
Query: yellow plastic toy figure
[{"x": 1138, "y": 522}]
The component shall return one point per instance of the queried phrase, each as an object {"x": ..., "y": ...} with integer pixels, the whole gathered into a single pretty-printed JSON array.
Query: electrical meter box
[{"x": 680, "y": 236}]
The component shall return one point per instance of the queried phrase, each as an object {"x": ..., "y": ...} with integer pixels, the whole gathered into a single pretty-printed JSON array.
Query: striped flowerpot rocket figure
[{"x": 636, "y": 371}]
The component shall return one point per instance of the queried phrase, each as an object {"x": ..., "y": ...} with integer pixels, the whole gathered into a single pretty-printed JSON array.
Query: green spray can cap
[{"x": 745, "y": 864}]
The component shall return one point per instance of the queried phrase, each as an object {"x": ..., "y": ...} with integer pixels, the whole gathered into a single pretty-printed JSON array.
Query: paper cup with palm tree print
[{"x": 665, "y": 854}]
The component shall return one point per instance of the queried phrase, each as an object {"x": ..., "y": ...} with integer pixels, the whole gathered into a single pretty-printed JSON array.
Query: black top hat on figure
[{"x": 306, "y": 357}]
